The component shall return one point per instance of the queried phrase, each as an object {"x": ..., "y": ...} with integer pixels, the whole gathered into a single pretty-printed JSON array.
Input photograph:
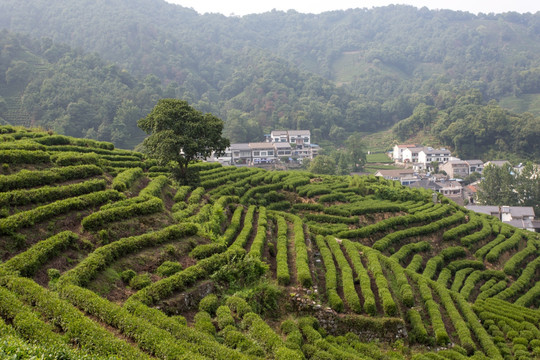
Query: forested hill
[{"x": 337, "y": 72}]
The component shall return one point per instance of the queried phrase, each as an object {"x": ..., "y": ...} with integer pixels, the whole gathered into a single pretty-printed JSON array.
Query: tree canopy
[{"x": 180, "y": 134}]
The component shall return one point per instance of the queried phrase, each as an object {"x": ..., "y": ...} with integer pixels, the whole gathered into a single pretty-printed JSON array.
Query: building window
[
  {"x": 270, "y": 153},
  {"x": 293, "y": 140},
  {"x": 256, "y": 153},
  {"x": 263, "y": 153}
]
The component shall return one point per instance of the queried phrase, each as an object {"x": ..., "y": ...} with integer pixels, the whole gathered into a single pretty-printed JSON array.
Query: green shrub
[
  {"x": 140, "y": 281},
  {"x": 209, "y": 304},
  {"x": 168, "y": 268},
  {"x": 127, "y": 275}
]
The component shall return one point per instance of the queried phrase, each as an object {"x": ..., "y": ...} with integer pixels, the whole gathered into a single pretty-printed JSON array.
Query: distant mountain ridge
[{"x": 335, "y": 73}]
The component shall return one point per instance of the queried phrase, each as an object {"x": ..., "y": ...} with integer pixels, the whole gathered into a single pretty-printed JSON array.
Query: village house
[
  {"x": 397, "y": 153},
  {"x": 519, "y": 216},
  {"x": 475, "y": 166},
  {"x": 240, "y": 154},
  {"x": 455, "y": 169},
  {"x": 262, "y": 153},
  {"x": 404, "y": 176},
  {"x": 283, "y": 149},
  {"x": 428, "y": 155},
  {"x": 410, "y": 154}
]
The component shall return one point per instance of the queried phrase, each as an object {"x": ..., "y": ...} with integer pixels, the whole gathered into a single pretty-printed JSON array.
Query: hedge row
[
  {"x": 418, "y": 333},
  {"x": 209, "y": 182},
  {"x": 312, "y": 190},
  {"x": 392, "y": 238},
  {"x": 482, "y": 252},
  {"x": 441, "y": 336},
  {"x": 493, "y": 290},
  {"x": 198, "y": 342},
  {"x": 330, "y": 275},
  {"x": 511, "y": 266},
  {"x": 474, "y": 222},
  {"x": 282, "y": 271},
  {"x": 68, "y": 140},
  {"x": 27, "y": 323},
  {"x": 405, "y": 291},
  {"x": 460, "y": 325},
  {"x": 416, "y": 263},
  {"x": 233, "y": 227},
  {"x": 480, "y": 333},
  {"x": 28, "y": 262},
  {"x": 154, "y": 187},
  {"x": 257, "y": 246},
  {"x": 263, "y": 334},
  {"x": 303, "y": 274},
  {"x": 395, "y": 221},
  {"x": 510, "y": 243},
  {"x": 125, "y": 179},
  {"x": 88, "y": 268},
  {"x": 50, "y": 193},
  {"x": 183, "y": 279},
  {"x": 362, "y": 277},
  {"x": 522, "y": 282},
  {"x": 459, "y": 278},
  {"x": 100, "y": 218},
  {"x": 530, "y": 296},
  {"x": 15, "y": 347},
  {"x": 74, "y": 158},
  {"x": 444, "y": 277},
  {"x": 78, "y": 328},
  {"x": 243, "y": 237},
  {"x": 154, "y": 340},
  {"x": 181, "y": 193},
  {"x": 435, "y": 263},
  {"x": 308, "y": 206},
  {"x": 521, "y": 315},
  {"x": 22, "y": 145},
  {"x": 465, "y": 263},
  {"x": 196, "y": 196},
  {"x": 30, "y": 217},
  {"x": 477, "y": 276},
  {"x": 389, "y": 306},
  {"x": 24, "y": 157},
  {"x": 347, "y": 279},
  {"x": 478, "y": 236},
  {"x": 323, "y": 218},
  {"x": 410, "y": 248},
  {"x": 26, "y": 178},
  {"x": 236, "y": 340},
  {"x": 82, "y": 149},
  {"x": 248, "y": 195}
]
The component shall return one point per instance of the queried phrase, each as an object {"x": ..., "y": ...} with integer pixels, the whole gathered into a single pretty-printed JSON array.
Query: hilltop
[{"x": 105, "y": 255}]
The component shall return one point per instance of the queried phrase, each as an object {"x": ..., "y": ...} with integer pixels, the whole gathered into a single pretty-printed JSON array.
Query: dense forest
[{"x": 360, "y": 70}]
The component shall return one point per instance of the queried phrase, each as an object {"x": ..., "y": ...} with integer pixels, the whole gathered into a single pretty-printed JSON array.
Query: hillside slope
[
  {"x": 105, "y": 256},
  {"x": 336, "y": 72}
]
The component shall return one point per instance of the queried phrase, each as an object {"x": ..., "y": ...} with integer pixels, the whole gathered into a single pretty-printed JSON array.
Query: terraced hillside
[{"x": 105, "y": 256}]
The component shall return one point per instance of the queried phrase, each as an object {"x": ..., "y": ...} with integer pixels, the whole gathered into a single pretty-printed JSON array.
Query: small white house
[{"x": 397, "y": 153}]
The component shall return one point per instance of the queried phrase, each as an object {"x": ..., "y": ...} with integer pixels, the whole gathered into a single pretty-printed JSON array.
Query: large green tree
[{"x": 180, "y": 134}]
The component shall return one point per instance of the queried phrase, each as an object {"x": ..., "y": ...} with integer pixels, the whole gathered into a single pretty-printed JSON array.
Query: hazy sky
[{"x": 243, "y": 7}]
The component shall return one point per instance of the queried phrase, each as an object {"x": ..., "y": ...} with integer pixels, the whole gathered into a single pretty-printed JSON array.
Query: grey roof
[
  {"x": 474, "y": 162},
  {"x": 426, "y": 184},
  {"x": 524, "y": 224},
  {"x": 437, "y": 151},
  {"x": 282, "y": 145},
  {"x": 396, "y": 172},
  {"x": 515, "y": 211},
  {"x": 261, "y": 145},
  {"x": 456, "y": 162},
  {"x": 279, "y": 132},
  {"x": 497, "y": 162},
  {"x": 240, "y": 146},
  {"x": 299, "y": 132}
]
